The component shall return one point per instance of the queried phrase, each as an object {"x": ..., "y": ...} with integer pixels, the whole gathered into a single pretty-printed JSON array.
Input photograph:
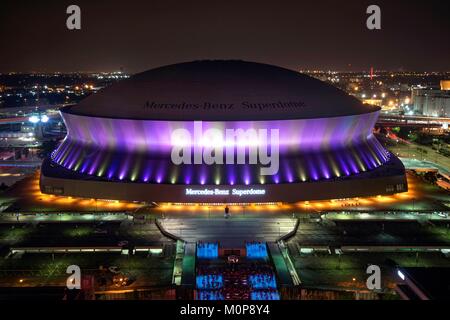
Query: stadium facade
[{"x": 119, "y": 143}]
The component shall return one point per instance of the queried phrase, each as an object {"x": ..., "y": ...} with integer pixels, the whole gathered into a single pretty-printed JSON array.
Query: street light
[{"x": 34, "y": 119}]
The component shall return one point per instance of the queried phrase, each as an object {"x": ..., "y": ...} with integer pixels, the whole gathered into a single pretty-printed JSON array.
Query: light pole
[{"x": 339, "y": 261}]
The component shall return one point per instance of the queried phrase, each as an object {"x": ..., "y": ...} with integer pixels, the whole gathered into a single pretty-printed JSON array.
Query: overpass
[
  {"x": 22, "y": 119},
  {"x": 412, "y": 121},
  {"x": 9, "y": 114},
  {"x": 423, "y": 165},
  {"x": 18, "y": 163}
]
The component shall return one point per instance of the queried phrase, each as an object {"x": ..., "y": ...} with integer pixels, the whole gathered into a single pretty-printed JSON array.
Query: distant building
[
  {"x": 432, "y": 102},
  {"x": 445, "y": 84},
  {"x": 375, "y": 102}
]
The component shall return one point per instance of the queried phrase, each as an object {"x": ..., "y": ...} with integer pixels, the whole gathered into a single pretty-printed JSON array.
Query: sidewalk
[
  {"x": 65, "y": 217},
  {"x": 373, "y": 216}
]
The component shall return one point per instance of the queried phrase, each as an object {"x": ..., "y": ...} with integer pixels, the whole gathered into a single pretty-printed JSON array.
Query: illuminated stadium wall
[{"x": 139, "y": 150}]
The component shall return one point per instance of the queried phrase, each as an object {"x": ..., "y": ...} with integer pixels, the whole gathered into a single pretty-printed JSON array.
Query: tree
[
  {"x": 47, "y": 148},
  {"x": 431, "y": 177}
]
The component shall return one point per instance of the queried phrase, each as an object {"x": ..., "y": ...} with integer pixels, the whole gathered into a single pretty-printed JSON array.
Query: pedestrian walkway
[
  {"x": 63, "y": 217},
  {"x": 229, "y": 232}
]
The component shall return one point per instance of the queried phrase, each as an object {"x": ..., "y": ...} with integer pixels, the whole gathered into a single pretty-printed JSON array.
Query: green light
[
  {"x": 77, "y": 165},
  {"x": 174, "y": 176},
  {"x": 374, "y": 156},
  {"x": 135, "y": 171},
  {"x": 104, "y": 165},
  {"x": 334, "y": 166},
  {"x": 100, "y": 172},
  {"x": 301, "y": 172},
  {"x": 358, "y": 161},
  {"x": 66, "y": 154},
  {"x": 217, "y": 177},
  {"x": 302, "y": 176}
]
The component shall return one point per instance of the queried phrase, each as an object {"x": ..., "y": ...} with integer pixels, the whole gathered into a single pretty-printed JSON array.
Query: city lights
[{"x": 211, "y": 153}]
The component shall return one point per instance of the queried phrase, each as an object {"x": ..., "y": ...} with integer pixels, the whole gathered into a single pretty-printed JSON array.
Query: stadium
[{"x": 120, "y": 141}]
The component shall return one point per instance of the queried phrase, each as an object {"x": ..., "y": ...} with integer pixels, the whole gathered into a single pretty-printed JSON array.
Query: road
[{"x": 412, "y": 151}]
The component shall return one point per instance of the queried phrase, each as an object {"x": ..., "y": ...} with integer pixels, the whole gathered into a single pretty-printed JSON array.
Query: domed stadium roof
[{"x": 217, "y": 90}]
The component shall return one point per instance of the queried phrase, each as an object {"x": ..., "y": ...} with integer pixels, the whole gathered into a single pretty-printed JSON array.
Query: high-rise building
[
  {"x": 445, "y": 85},
  {"x": 432, "y": 102}
]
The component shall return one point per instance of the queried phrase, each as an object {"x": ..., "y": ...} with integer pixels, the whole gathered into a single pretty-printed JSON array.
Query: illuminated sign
[
  {"x": 224, "y": 192},
  {"x": 223, "y": 105}
]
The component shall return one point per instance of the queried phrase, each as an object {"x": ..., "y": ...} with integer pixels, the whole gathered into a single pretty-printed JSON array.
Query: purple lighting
[{"x": 139, "y": 150}]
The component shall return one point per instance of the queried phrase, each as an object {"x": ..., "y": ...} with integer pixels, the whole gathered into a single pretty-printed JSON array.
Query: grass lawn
[
  {"x": 322, "y": 269},
  {"x": 152, "y": 269}
]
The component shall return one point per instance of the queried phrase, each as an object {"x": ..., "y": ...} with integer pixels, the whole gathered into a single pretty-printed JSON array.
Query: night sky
[{"x": 139, "y": 35}]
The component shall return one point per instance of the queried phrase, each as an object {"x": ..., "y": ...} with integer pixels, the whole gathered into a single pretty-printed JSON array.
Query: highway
[
  {"x": 24, "y": 163},
  {"x": 412, "y": 121}
]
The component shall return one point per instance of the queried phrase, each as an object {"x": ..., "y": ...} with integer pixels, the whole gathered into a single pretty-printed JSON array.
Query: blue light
[
  {"x": 263, "y": 281},
  {"x": 209, "y": 295},
  {"x": 207, "y": 250},
  {"x": 264, "y": 295},
  {"x": 256, "y": 250},
  {"x": 209, "y": 281}
]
